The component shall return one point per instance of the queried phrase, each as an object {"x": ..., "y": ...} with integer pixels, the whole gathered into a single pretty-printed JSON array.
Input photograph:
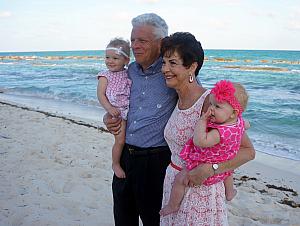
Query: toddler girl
[{"x": 113, "y": 93}]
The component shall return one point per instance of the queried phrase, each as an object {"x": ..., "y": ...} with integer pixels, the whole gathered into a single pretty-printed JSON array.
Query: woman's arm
[{"x": 203, "y": 171}]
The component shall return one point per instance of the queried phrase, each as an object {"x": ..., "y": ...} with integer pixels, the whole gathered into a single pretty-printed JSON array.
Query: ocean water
[{"x": 67, "y": 80}]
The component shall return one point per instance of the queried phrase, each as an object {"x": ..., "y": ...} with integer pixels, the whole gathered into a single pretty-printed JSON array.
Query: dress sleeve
[{"x": 102, "y": 74}]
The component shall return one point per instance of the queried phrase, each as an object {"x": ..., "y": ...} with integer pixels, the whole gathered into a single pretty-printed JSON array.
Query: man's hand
[
  {"x": 199, "y": 174},
  {"x": 112, "y": 124},
  {"x": 115, "y": 112}
]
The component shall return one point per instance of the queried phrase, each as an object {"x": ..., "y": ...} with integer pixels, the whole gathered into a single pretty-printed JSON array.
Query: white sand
[{"x": 58, "y": 173}]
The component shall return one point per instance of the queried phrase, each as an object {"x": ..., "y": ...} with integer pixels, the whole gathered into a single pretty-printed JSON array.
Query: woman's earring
[{"x": 191, "y": 79}]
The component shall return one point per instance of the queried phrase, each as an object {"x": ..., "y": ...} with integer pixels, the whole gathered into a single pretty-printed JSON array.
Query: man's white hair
[{"x": 159, "y": 24}]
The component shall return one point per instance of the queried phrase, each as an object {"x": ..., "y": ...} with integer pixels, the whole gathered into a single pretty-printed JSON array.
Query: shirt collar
[{"x": 152, "y": 69}]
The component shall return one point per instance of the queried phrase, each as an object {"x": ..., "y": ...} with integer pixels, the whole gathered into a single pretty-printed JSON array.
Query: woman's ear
[{"x": 193, "y": 67}]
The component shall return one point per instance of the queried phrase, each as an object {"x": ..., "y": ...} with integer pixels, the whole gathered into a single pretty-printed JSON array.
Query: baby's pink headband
[
  {"x": 119, "y": 51},
  {"x": 224, "y": 92}
]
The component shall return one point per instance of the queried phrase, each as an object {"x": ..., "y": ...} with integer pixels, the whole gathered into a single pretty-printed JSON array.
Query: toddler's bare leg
[
  {"x": 176, "y": 195},
  {"x": 117, "y": 151},
  {"x": 230, "y": 191}
]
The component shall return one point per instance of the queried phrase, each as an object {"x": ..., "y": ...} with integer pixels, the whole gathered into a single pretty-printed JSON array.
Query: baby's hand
[
  {"x": 114, "y": 112},
  {"x": 206, "y": 115}
]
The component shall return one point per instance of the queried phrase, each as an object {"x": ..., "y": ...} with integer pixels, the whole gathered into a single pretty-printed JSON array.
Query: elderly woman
[{"x": 202, "y": 205}]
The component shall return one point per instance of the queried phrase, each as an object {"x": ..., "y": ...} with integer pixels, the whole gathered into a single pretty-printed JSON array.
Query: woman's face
[{"x": 175, "y": 73}]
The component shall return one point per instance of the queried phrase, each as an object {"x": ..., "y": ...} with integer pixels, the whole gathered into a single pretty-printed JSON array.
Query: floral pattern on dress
[
  {"x": 226, "y": 149},
  {"x": 118, "y": 90},
  {"x": 201, "y": 205}
]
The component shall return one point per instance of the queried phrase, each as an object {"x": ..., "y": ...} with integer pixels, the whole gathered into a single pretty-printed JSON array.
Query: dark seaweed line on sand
[
  {"x": 285, "y": 201},
  {"x": 57, "y": 116}
]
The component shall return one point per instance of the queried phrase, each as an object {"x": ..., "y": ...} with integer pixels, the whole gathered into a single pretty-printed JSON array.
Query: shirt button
[
  {"x": 131, "y": 134},
  {"x": 158, "y": 106},
  {"x": 146, "y": 77},
  {"x": 140, "y": 108},
  {"x": 143, "y": 93},
  {"x": 134, "y": 122}
]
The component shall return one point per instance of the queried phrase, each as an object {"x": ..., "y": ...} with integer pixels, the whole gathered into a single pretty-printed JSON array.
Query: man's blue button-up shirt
[{"x": 150, "y": 106}]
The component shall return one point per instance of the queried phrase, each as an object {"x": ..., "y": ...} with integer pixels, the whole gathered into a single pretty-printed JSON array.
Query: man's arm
[{"x": 203, "y": 171}]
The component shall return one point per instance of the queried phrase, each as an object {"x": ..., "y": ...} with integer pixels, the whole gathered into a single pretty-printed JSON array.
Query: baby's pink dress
[
  {"x": 202, "y": 205},
  {"x": 226, "y": 149},
  {"x": 118, "y": 90}
]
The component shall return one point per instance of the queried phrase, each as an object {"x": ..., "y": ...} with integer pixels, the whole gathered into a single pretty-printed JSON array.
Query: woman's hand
[
  {"x": 199, "y": 174},
  {"x": 112, "y": 124}
]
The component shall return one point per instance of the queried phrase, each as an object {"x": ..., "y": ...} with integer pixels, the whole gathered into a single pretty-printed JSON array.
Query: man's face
[{"x": 145, "y": 47}]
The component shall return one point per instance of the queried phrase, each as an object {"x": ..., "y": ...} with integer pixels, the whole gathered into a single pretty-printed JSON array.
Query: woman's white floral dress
[{"x": 201, "y": 205}]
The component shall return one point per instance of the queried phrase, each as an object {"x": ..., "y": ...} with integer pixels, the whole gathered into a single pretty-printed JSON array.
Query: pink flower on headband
[{"x": 223, "y": 91}]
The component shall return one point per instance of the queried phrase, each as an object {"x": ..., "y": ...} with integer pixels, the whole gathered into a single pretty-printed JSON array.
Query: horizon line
[{"x": 37, "y": 51}]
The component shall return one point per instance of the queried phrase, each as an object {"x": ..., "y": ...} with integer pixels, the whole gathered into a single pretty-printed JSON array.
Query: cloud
[
  {"x": 147, "y": 1},
  {"x": 294, "y": 25},
  {"x": 293, "y": 22},
  {"x": 227, "y": 2},
  {"x": 121, "y": 16},
  {"x": 220, "y": 24},
  {"x": 271, "y": 15},
  {"x": 265, "y": 13},
  {"x": 5, "y": 14}
]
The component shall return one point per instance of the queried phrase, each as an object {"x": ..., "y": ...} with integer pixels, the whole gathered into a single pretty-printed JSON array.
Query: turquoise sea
[{"x": 66, "y": 82}]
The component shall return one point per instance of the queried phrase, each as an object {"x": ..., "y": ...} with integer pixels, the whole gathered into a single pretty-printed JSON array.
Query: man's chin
[{"x": 138, "y": 56}]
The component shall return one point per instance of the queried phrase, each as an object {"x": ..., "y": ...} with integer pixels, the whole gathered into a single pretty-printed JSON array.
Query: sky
[{"x": 54, "y": 25}]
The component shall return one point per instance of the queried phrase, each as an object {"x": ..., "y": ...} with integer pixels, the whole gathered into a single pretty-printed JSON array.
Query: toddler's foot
[
  {"x": 168, "y": 209},
  {"x": 230, "y": 194},
  {"x": 118, "y": 170}
]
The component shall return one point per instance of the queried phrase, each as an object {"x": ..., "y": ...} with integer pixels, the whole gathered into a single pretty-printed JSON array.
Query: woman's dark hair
[{"x": 187, "y": 46}]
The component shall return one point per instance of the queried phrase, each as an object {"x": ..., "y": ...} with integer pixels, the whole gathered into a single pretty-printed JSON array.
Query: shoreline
[
  {"x": 73, "y": 119},
  {"x": 56, "y": 170},
  {"x": 90, "y": 114},
  {"x": 57, "y": 107}
]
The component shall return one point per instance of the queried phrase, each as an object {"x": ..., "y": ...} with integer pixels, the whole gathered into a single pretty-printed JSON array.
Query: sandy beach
[{"x": 56, "y": 170}]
